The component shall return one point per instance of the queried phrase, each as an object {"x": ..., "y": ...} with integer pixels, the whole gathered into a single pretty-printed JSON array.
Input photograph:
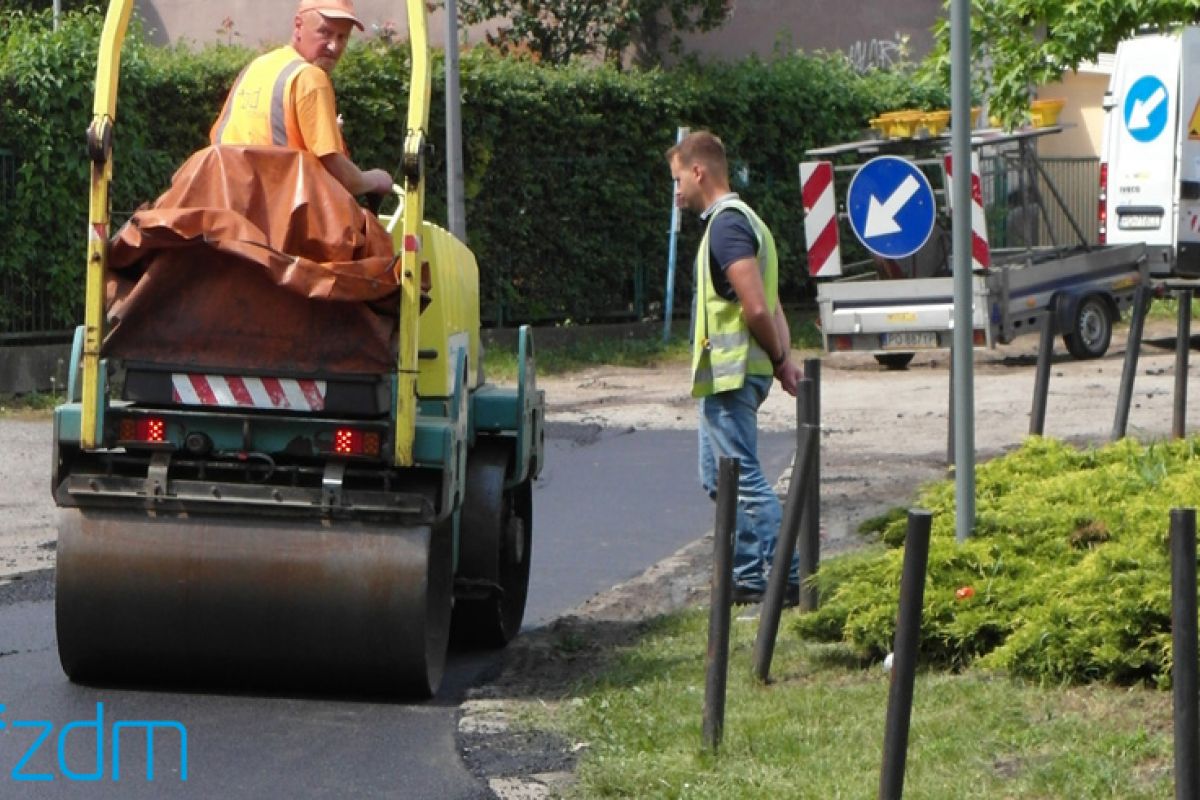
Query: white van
[{"x": 1150, "y": 156}]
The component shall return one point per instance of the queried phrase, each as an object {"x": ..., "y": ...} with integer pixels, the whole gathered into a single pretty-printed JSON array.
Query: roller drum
[{"x": 346, "y": 606}]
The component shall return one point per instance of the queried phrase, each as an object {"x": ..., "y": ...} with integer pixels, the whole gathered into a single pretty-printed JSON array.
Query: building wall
[
  {"x": 756, "y": 26},
  {"x": 258, "y": 24},
  {"x": 1082, "y": 116},
  {"x": 759, "y": 26}
]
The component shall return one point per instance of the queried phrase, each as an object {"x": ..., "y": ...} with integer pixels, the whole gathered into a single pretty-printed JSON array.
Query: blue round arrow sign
[
  {"x": 1146, "y": 108},
  {"x": 891, "y": 207}
]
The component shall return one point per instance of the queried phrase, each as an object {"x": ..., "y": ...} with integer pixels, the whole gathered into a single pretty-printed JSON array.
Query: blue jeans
[{"x": 729, "y": 428}]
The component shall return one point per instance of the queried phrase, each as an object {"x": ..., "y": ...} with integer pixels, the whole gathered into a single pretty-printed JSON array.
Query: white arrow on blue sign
[
  {"x": 891, "y": 207},
  {"x": 1146, "y": 108}
]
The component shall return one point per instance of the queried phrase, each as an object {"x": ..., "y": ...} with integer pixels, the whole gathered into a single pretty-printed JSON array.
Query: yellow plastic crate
[
  {"x": 1044, "y": 113},
  {"x": 897, "y": 124},
  {"x": 935, "y": 121}
]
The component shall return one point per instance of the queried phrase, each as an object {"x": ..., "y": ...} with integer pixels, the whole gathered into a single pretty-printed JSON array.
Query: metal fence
[
  {"x": 26, "y": 312},
  {"x": 1014, "y": 220},
  {"x": 25, "y": 303},
  {"x": 29, "y": 309},
  {"x": 1038, "y": 209}
]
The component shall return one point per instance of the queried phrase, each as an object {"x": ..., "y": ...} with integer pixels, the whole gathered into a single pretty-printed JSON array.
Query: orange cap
[{"x": 331, "y": 9}]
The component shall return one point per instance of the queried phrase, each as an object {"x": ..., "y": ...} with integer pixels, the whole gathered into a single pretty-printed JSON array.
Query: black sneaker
[
  {"x": 744, "y": 595},
  {"x": 791, "y": 598}
]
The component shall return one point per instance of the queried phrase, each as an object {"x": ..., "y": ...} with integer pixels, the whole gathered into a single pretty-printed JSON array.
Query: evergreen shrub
[{"x": 1066, "y": 578}]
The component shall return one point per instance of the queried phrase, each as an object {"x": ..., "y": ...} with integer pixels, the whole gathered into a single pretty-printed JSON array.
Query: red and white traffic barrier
[
  {"x": 981, "y": 253},
  {"x": 820, "y": 219},
  {"x": 238, "y": 391}
]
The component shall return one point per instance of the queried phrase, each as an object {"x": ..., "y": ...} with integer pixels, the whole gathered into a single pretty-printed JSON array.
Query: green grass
[
  {"x": 501, "y": 363},
  {"x": 1168, "y": 308},
  {"x": 817, "y": 730},
  {"x": 34, "y": 405},
  {"x": 593, "y": 351},
  {"x": 1049, "y": 681}
]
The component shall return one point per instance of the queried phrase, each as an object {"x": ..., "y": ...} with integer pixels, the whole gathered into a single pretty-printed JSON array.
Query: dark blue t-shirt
[{"x": 730, "y": 239}]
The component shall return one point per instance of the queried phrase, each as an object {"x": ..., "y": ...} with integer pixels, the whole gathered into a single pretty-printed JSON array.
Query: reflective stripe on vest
[
  {"x": 723, "y": 350},
  {"x": 276, "y": 114}
]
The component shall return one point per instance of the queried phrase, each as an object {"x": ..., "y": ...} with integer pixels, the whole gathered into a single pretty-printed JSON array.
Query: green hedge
[
  {"x": 165, "y": 107},
  {"x": 567, "y": 194}
]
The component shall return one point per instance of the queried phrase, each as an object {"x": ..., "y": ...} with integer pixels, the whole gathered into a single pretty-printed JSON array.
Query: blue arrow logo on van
[
  {"x": 1146, "y": 108},
  {"x": 1139, "y": 117}
]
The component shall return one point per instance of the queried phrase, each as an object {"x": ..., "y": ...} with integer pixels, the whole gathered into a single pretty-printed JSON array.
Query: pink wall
[
  {"x": 257, "y": 23},
  {"x": 755, "y": 25}
]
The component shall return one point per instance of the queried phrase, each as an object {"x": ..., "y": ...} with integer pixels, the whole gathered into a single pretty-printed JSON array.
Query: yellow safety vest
[
  {"x": 723, "y": 350},
  {"x": 258, "y": 110}
]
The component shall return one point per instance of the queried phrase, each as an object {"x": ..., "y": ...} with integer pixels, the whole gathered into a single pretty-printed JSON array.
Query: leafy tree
[
  {"x": 554, "y": 31},
  {"x": 1033, "y": 42}
]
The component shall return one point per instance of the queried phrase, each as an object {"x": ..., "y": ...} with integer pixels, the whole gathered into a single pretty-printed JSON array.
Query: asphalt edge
[{"x": 487, "y": 721}]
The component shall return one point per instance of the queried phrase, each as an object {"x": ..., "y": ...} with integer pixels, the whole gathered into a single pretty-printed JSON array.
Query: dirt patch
[
  {"x": 27, "y": 513},
  {"x": 883, "y": 435}
]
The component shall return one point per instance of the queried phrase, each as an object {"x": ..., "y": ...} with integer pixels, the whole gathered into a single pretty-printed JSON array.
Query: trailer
[{"x": 896, "y": 302}]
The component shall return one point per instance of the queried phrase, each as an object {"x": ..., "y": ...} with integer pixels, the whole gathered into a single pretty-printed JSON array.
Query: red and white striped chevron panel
[
  {"x": 239, "y": 391},
  {"x": 981, "y": 253},
  {"x": 820, "y": 219}
]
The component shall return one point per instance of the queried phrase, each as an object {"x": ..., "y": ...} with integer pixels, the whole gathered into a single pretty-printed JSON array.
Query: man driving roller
[{"x": 285, "y": 97}]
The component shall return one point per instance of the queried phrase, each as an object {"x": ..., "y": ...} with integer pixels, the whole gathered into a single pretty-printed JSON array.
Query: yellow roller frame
[
  {"x": 414, "y": 213},
  {"x": 99, "y": 137},
  {"x": 108, "y": 66}
]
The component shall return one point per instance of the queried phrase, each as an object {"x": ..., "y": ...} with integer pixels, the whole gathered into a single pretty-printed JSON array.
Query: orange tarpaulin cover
[{"x": 255, "y": 258}]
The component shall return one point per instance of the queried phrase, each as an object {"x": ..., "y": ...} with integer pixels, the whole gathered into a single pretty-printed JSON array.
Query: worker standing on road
[
  {"x": 285, "y": 97},
  {"x": 740, "y": 342}
]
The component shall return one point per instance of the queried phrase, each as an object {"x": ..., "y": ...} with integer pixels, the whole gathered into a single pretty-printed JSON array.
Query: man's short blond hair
[{"x": 703, "y": 147}]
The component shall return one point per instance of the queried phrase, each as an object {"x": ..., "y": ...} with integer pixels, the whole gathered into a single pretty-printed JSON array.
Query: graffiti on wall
[{"x": 868, "y": 54}]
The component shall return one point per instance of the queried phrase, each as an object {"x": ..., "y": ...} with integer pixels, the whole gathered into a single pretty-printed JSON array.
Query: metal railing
[
  {"x": 27, "y": 310},
  {"x": 26, "y": 306},
  {"x": 1010, "y": 198},
  {"x": 30, "y": 310}
]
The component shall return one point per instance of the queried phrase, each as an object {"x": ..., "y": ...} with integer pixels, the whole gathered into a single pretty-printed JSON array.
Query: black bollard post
[
  {"x": 904, "y": 658},
  {"x": 810, "y": 518},
  {"x": 716, "y": 662},
  {"x": 1041, "y": 383},
  {"x": 1183, "y": 640},
  {"x": 1133, "y": 346},
  {"x": 1183, "y": 336},
  {"x": 789, "y": 529}
]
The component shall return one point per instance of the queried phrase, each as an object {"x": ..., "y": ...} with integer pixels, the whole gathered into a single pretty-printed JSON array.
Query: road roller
[{"x": 279, "y": 463}]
